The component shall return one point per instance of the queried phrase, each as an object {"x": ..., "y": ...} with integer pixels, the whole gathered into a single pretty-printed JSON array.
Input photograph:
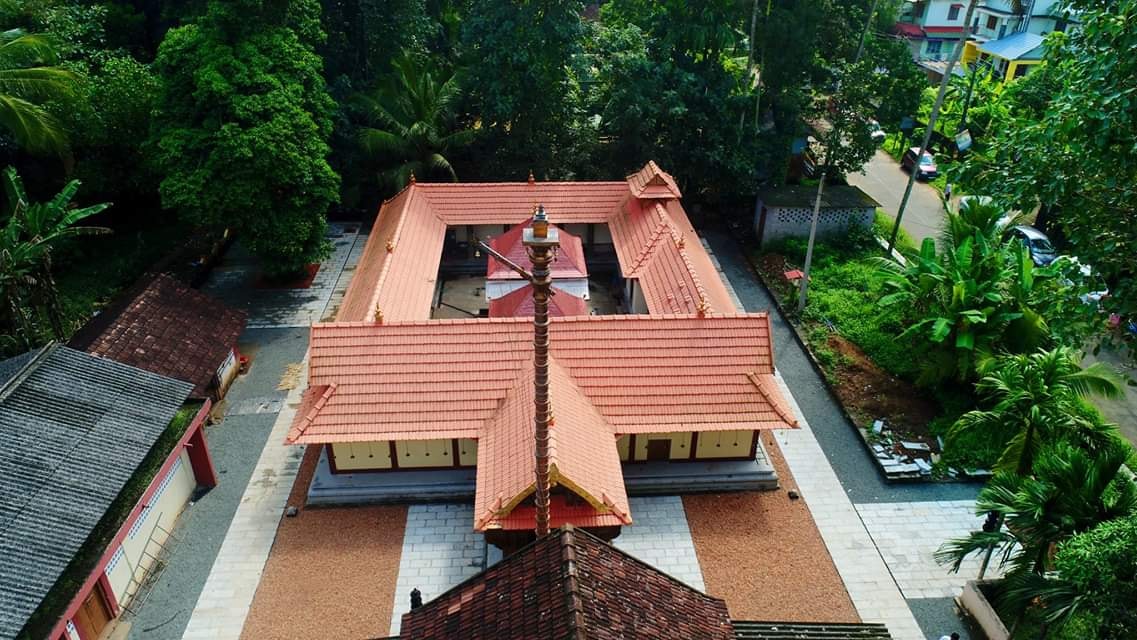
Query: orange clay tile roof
[
  {"x": 449, "y": 378},
  {"x": 653, "y": 182},
  {"x": 656, "y": 243},
  {"x": 569, "y": 262},
  {"x": 653, "y": 238},
  {"x": 519, "y": 304},
  {"x": 582, "y": 456}
]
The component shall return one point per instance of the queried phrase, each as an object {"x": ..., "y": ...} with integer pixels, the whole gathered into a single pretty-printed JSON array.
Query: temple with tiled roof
[{"x": 669, "y": 395}]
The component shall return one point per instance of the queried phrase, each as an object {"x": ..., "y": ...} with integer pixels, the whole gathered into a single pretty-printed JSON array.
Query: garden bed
[{"x": 898, "y": 421}]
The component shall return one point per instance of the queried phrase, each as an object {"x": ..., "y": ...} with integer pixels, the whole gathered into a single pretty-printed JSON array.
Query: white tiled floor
[
  {"x": 660, "y": 537},
  {"x": 908, "y": 534}
]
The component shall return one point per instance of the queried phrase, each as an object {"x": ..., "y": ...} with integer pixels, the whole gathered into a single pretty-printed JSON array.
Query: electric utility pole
[{"x": 932, "y": 120}]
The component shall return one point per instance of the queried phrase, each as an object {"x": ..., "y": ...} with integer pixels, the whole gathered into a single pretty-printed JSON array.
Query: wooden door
[
  {"x": 93, "y": 616},
  {"x": 658, "y": 450}
]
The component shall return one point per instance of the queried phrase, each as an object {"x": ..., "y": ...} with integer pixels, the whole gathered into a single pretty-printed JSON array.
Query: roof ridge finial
[
  {"x": 378, "y": 315},
  {"x": 532, "y": 180},
  {"x": 411, "y": 179}
]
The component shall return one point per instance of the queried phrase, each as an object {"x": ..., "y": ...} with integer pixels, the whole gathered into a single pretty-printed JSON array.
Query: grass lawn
[{"x": 856, "y": 341}]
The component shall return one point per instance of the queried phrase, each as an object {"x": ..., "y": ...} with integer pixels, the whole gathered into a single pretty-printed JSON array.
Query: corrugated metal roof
[
  {"x": 1023, "y": 45},
  {"x": 74, "y": 429}
]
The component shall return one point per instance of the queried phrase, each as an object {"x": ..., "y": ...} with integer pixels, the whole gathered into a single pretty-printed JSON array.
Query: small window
[
  {"x": 991, "y": 22},
  {"x": 953, "y": 12},
  {"x": 934, "y": 47},
  {"x": 1002, "y": 31}
]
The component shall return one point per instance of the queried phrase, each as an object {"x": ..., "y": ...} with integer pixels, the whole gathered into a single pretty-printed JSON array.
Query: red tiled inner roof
[
  {"x": 570, "y": 585},
  {"x": 519, "y": 304},
  {"x": 399, "y": 268},
  {"x": 569, "y": 262},
  {"x": 172, "y": 330}
]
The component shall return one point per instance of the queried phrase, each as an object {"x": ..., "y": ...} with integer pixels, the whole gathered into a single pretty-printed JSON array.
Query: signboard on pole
[{"x": 963, "y": 140}]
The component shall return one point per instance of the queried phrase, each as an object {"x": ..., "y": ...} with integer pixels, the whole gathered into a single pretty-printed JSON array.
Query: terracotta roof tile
[
  {"x": 582, "y": 456},
  {"x": 653, "y": 182},
  {"x": 569, "y": 262},
  {"x": 169, "y": 329},
  {"x": 519, "y": 304},
  {"x": 570, "y": 585},
  {"x": 447, "y": 378}
]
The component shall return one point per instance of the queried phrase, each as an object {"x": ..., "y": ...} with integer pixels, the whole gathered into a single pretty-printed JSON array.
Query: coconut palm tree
[
  {"x": 414, "y": 118},
  {"x": 28, "y": 79},
  {"x": 30, "y": 232},
  {"x": 1036, "y": 399}
]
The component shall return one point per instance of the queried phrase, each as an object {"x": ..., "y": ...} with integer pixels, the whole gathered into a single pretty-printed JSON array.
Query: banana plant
[{"x": 31, "y": 231}]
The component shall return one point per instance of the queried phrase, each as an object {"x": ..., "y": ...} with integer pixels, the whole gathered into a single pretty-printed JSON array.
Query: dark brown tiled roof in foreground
[
  {"x": 169, "y": 329},
  {"x": 570, "y": 585}
]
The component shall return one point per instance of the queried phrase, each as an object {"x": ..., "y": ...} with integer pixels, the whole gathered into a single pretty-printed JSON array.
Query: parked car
[
  {"x": 876, "y": 133},
  {"x": 925, "y": 169},
  {"x": 1041, "y": 250}
]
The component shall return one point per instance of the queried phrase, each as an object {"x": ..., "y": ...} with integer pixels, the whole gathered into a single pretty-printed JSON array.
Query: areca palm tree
[
  {"x": 30, "y": 232},
  {"x": 1071, "y": 491},
  {"x": 28, "y": 78},
  {"x": 1037, "y": 399},
  {"x": 414, "y": 118}
]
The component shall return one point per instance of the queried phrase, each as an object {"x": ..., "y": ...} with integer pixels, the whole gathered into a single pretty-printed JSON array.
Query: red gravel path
[
  {"x": 331, "y": 573},
  {"x": 762, "y": 553}
]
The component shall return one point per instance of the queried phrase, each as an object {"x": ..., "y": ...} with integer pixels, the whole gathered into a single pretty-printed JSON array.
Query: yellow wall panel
[
  {"x": 362, "y": 456},
  {"x": 467, "y": 452},
  {"x": 680, "y": 444},
  {"x": 724, "y": 444},
  {"x": 425, "y": 453},
  {"x": 622, "y": 444}
]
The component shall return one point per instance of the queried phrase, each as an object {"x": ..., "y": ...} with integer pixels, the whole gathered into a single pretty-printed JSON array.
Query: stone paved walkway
[
  {"x": 660, "y": 536},
  {"x": 908, "y": 534},
  {"x": 234, "y": 281},
  {"x": 224, "y": 603},
  {"x": 440, "y": 550},
  {"x": 867, "y": 579}
]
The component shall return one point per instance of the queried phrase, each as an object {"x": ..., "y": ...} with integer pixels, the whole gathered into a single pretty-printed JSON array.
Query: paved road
[
  {"x": 1123, "y": 410},
  {"x": 884, "y": 181}
]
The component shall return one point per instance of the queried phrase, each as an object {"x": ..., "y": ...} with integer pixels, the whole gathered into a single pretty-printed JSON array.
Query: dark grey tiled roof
[{"x": 73, "y": 429}]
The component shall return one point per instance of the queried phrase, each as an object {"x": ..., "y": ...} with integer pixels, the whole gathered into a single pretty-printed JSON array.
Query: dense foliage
[
  {"x": 1072, "y": 148},
  {"x": 1099, "y": 567},
  {"x": 242, "y": 127}
]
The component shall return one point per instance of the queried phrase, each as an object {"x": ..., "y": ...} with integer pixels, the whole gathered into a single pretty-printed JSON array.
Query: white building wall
[
  {"x": 135, "y": 555},
  {"x": 783, "y": 222}
]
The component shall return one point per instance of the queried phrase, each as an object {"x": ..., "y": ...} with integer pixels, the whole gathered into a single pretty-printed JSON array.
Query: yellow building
[{"x": 1010, "y": 57}]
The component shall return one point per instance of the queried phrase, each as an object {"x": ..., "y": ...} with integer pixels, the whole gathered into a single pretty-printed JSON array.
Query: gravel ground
[
  {"x": 842, "y": 446},
  {"x": 235, "y": 444},
  {"x": 762, "y": 553},
  {"x": 339, "y": 562}
]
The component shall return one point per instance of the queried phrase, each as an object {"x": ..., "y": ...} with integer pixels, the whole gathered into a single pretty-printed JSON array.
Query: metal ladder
[{"x": 142, "y": 579}]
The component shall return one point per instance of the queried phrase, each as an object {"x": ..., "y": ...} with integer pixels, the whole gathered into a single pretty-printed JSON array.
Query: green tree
[
  {"x": 415, "y": 130},
  {"x": 520, "y": 55},
  {"x": 1071, "y": 492},
  {"x": 1095, "y": 586},
  {"x": 29, "y": 77},
  {"x": 241, "y": 132},
  {"x": 31, "y": 230},
  {"x": 1036, "y": 399},
  {"x": 1078, "y": 158}
]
